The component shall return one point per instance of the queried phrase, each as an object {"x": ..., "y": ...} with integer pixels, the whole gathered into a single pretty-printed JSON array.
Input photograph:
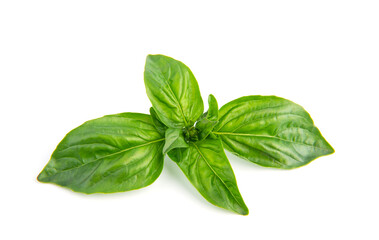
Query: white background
[{"x": 65, "y": 62}]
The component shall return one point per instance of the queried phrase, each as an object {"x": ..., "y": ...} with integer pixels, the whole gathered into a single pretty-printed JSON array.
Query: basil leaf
[
  {"x": 213, "y": 108},
  {"x": 174, "y": 139},
  {"x": 209, "y": 119},
  {"x": 208, "y": 169},
  {"x": 173, "y": 91},
  {"x": 114, "y": 153},
  {"x": 157, "y": 123},
  {"x": 270, "y": 131}
]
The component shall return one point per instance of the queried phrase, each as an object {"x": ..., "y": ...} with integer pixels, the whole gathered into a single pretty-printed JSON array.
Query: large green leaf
[
  {"x": 173, "y": 91},
  {"x": 270, "y": 131},
  {"x": 208, "y": 169},
  {"x": 114, "y": 153},
  {"x": 209, "y": 119}
]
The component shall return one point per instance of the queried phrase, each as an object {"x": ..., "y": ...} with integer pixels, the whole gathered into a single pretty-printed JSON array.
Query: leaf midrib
[
  {"x": 265, "y": 136},
  {"x": 175, "y": 97},
  {"x": 109, "y": 155}
]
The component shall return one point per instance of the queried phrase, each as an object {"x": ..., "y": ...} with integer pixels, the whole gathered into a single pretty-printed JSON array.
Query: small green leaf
[
  {"x": 270, "y": 131},
  {"x": 114, "y": 153},
  {"x": 157, "y": 123},
  {"x": 174, "y": 139},
  {"x": 173, "y": 91},
  {"x": 209, "y": 119},
  {"x": 213, "y": 108},
  {"x": 208, "y": 169}
]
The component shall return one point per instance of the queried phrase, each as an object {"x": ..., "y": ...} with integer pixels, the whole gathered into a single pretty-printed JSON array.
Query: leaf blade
[
  {"x": 173, "y": 91},
  {"x": 208, "y": 169},
  {"x": 270, "y": 131},
  {"x": 114, "y": 153}
]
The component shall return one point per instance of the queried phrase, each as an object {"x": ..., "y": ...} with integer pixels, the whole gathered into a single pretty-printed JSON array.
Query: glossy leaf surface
[
  {"x": 174, "y": 139},
  {"x": 209, "y": 119},
  {"x": 114, "y": 153},
  {"x": 208, "y": 169},
  {"x": 270, "y": 131},
  {"x": 173, "y": 91}
]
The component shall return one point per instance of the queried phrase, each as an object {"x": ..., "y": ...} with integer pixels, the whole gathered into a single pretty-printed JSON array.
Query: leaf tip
[
  {"x": 40, "y": 177},
  {"x": 242, "y": 210},
  {"x": 150, "y": 58},
  {"x": 329, "y": 149},
  {"x": 245, "y": 211},
  {"x": 43, "y": 176},
  {"x": 155, "y": 57}
]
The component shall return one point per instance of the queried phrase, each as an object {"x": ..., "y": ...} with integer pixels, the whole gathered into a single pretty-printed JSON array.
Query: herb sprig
[{"x": 125, "y": 151}]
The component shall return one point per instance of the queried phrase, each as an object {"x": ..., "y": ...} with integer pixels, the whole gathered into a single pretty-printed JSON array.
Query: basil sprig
[{"x": 125, "y": 151}]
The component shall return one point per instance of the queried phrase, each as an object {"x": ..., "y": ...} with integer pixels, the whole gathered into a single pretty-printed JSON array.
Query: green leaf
[
  {"x": 209, "y": 119},
  {"x": 157, "y": 123},
  {"x": 208, "y": 169},
  {"x": 173, "y": 91},
  {"x": 270, "y": 131},
  {"x": 114, "y": 153},
  {"x": 174, "y": 139}
]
